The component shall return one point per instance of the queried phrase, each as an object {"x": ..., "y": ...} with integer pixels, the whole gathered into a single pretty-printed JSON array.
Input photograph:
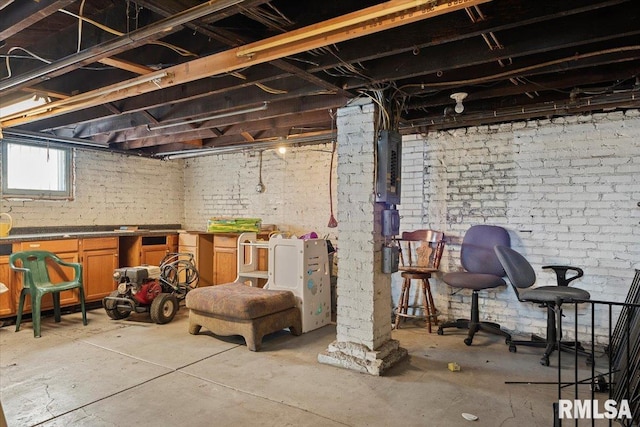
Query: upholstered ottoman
[{"x": 237, "y": 309}]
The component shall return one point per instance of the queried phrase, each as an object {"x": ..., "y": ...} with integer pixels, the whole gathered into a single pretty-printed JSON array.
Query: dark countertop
[
  {"x": 54, "y": 233},
  {"x": 83, "y": 232}
]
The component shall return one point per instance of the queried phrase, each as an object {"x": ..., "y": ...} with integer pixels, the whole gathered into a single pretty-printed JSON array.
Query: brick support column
[{"x": 363, "y": 341}]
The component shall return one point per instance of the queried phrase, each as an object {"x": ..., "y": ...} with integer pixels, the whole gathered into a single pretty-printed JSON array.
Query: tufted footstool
[{"x": 237, "y": 309}]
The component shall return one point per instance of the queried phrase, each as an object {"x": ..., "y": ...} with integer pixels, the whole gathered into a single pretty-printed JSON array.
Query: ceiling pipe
[
  {"x": 39, "y": 138},
  {"x": 116, "y": 46},
  {"x": 45, "y": 137},
  {"x": 257, "y": 145},
  {"x": 204, "y": 119}
]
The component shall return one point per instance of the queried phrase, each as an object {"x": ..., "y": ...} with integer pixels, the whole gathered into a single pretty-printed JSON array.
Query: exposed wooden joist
[
  {"x": 95, "y": 120},
  {"x": 126, "y": 65},
  {"x": 531, "y": 111},
  {"x": 113, "y": 47},
  {"x": 470, "y": 53},
  {"x": 289, "y": 106},
  {"x": 233, "y": 39},
  {"x": 22, "y": 14},
  {"x": 450, "y": 29},
  {"x": 230, "y": 61}
]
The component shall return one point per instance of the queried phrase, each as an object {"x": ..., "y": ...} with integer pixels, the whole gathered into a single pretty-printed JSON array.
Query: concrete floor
[{"x": 133, "y": 372}]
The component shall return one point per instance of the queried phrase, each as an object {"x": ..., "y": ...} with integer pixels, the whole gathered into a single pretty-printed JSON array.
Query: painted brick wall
[
  {"x": 110, "y": 189},
  {"x": 296, "y": 196},
  {"x": 566, "y": 189}
]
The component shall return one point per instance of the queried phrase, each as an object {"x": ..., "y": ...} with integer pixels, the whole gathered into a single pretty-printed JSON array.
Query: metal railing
[{"x": 608, "y": 394}]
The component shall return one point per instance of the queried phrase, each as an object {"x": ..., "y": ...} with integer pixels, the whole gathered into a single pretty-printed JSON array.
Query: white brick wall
[
  {"x": 296, "y": 196},
  {"x": 110, "y": 189},
  {"x": 567, "y": 191}
]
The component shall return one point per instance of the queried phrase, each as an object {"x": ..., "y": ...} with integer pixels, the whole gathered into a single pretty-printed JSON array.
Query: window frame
[{"x": 27, "y": 194}]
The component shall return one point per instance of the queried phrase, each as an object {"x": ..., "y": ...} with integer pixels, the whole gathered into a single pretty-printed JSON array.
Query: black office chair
[
  {"x": 483, "y": 271},
  {"x": 522, "y": 277}
]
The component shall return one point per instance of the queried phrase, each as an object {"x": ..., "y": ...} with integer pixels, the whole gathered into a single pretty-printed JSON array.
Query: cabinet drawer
[
  {"x": 187, "y": 239},
  {"x": 225, "y": 241},
  {"x": 99, "y": 243},
  {"x": 55, "y": 246}
]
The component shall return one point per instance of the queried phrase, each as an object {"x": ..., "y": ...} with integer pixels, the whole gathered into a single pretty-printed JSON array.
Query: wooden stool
[
  {"x": 430, "y": 313},
  {"x": 420, "y": 253}
]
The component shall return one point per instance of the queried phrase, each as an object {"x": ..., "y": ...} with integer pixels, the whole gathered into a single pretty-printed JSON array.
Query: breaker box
[
  {"x": 388, "y": 167},
  {"x": 302, "y": 267}
]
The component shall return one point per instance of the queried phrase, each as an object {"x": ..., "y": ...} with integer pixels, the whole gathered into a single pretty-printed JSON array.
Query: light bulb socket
[{"x": 459, "y": 97}]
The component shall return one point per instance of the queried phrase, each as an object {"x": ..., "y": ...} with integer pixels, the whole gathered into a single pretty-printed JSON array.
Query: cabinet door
[
  {"x": 225, "y": 259},
  {"x": 98, "y": 266},
  {"x": 7, "y": 301},
  {"x": 225, "y": 262},
  {"x": 153, "y": 254}
]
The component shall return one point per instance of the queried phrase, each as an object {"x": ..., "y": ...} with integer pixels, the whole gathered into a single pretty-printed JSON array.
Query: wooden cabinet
[
  {"x": 188, "y": 243},
  {"x": 225, "y": 259},
  {"x": 217, "y": 256},
  {"x": 7, "y": 300},
  {"x": 149, "y": 250},
  {"x": 65, "y": 249},
  {"x": 99, "y": 258}
]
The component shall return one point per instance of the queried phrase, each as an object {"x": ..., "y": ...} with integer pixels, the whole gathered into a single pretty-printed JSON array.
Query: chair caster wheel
[
  {"x": 513, "y": 348},
  {"x": 468, "y": 341},
  {"x": 544, "y": 361},
  {"x": 440, "y": 331}
]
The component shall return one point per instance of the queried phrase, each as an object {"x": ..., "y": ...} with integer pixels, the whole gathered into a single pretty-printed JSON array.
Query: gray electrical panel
[
  {"x": 388, "y": 167},
  {"x": 390, "y": 222}
]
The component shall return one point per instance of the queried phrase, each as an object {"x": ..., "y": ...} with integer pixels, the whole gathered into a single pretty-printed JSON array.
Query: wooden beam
[
  {"x": 45, "y": 92},
  {"x": 23, "y": 14},
  {"x": 247, "y": 136},
  {"x": 229, "y": 61},
  {"x": 126, "y": 65}
]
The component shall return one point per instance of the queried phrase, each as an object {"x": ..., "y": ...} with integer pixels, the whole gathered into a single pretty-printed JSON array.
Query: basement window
[{"x": 32, "y": 171}]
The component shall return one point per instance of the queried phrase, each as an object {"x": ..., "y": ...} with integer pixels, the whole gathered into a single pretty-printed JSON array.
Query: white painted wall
[
  {"x": 110, "y": 189},
  {"x": 566, "y": 189},
  {"x": 296, "y": 196}
]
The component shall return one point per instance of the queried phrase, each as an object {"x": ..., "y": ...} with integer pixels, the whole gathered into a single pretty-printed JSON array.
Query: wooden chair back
[{"x": 421, "y": 250}]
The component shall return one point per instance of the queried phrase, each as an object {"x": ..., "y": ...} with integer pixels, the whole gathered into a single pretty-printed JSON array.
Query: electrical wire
[
  {"x": 8, "y": 63},
  {"x": 80, "y": 12},
  {"x": 259, "y": 85},
  {"x": 516, "y": 72},
  {"x": 180, "y": 51}
]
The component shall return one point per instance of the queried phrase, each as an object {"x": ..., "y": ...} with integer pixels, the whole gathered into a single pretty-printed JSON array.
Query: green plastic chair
[{"x": 36, "y": 282}]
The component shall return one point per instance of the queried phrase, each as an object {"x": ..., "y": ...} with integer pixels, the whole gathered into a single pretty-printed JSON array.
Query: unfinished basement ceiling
[{"x": 153, "y": 77}]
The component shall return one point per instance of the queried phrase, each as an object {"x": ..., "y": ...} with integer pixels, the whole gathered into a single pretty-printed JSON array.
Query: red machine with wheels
[{"x": 154, "y": 289}]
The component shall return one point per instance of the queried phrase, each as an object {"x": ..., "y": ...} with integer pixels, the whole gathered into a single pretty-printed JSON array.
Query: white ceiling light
[{"x": 459, "y": 97}]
